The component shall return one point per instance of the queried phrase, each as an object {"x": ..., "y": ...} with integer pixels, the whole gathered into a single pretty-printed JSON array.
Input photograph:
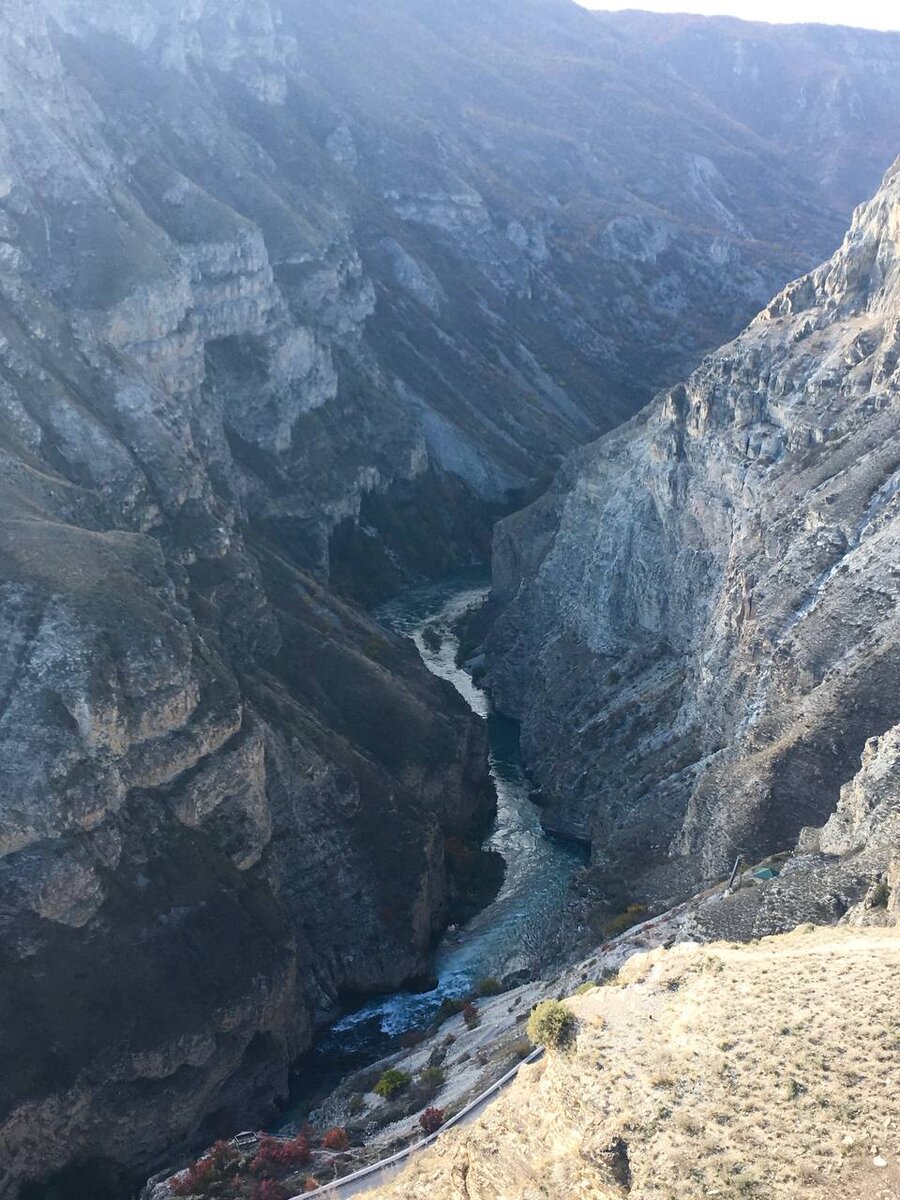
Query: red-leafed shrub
[
  {"x": 431, "y": 1119},
  {"x": 471, "y": 1015},
  {"x": 336, "y": 1139},
  {"x": 214, "y": 1168},
  {"x": 275, "y": 1156},
  {"x": 270, "y": 1189}
]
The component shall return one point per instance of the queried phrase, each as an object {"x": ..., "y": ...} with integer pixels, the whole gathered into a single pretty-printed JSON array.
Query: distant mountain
[
  {"x": 411, "y": 254},
  {"x": 827, "y": 96}
]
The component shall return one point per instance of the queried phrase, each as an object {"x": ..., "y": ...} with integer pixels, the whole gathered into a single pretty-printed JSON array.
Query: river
[{"x": 513, "y": 932}]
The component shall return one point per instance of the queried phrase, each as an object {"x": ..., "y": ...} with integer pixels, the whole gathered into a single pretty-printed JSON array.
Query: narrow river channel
[{"x": 513, "y": 932}]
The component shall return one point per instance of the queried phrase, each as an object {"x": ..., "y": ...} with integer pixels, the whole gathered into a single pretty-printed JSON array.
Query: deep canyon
[{"x": 297, "y": 299}]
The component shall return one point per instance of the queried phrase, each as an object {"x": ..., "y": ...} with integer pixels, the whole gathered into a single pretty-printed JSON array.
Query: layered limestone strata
[
  {"x": 388, "y": 267},
  {"x": 700, "y": 632}
]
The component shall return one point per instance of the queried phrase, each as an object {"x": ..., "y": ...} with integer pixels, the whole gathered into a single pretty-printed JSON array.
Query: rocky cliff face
[
  {"x": 291, "y": 295},
  {"x": 407, "y": 258},
  {"x": 226, "y": 796},
  {"x": 701, "y": 624}
]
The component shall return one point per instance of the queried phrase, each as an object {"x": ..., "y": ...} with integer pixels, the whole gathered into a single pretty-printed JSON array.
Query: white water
[{"x": 513, "y": 932}]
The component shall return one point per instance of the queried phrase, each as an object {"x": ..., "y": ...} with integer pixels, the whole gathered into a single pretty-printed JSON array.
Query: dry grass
[{"x": 730, "y": 1071}]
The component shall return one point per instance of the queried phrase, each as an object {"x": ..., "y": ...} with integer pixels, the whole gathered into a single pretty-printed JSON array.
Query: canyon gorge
[{"x": 296, "y": 300}]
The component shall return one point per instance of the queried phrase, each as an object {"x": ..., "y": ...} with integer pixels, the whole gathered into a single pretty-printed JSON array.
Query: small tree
[
  {"x": 431, "y": 1120},
  {"x": 550, "y": 1024},
  {"x": 391, "y": 1082},
  {"x": 275, "y": 1156},
  {"x": 471, "y": 1015},
  {"x": 450, "y": 1006},
  {"x": 208, "y": 1172}
]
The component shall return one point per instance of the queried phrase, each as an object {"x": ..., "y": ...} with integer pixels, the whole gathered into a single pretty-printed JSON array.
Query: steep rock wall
[{"x": 700, "y": 626}]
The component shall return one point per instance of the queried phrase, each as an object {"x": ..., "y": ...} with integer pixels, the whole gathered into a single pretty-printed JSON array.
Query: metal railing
[{"x": 394, "y": 1163}]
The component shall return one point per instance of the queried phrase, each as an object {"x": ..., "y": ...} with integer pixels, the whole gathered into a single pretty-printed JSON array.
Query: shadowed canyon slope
[
  {"x": 701, "y": 632},
  {"x": 292, "y": 297}
]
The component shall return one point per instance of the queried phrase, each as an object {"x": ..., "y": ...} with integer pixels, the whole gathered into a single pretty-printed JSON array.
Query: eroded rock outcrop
[{"x": 701, "y": 624}]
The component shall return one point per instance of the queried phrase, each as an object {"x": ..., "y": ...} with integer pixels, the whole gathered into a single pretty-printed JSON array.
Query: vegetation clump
[
  {"x": 881, "y": 894},
  {"x": 450, "y": 1007},
  {"x": 471, "y": 1015},
  {"x": 489, "y": 987},
  {"x": 273, "y": 1153},
  {"x": 391, "y": 1083},
  {"x": 623, "y": 921},
  {"x": 336, "y": 1139},
  {"x": 551, "y": 1024},
  {"x": 223, "y": 1174},
  {"x": 270, "y": 1189},
  {"x": 431, "y": 1078},
  {"x": 209, "y": 1173},
  {"x": 431, "y": 1120}
]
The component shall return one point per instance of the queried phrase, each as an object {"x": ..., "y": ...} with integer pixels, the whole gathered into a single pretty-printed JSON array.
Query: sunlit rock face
[
  {"x": 701, "y": 624},
  {"x": 292, "y": 296}
]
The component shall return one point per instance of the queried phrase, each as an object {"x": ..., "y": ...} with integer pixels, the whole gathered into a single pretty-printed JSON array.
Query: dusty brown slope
[{"x": 763, "y": 1070}]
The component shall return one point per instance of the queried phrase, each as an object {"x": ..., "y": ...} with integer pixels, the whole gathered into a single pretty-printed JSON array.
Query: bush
[
  {"x": 412, "y": 1038},
  {"x": 270, "y": 1189},
  {"x": 471, "y": 1015},
  {"x": 550, "y": 1024},
  {"x": 355, "y": 1104},
  {"x": 489, "y": 987},
  {"x": 275, "y": 1156},
  {"x": 209, "y": 1172},
  {"x": 432, "y": 1078},
  {"x": 632, "y": 915},
  {"x": 881, "y": 894},
  {"x": 336, "y": 1139},
  {"x": 587, "y": 986},
  {"x": 520, "y": 1049},
  {"x": 391, "y": 1082},
  {"x": 431, "y": 1120},
  {"x": 450, "y": 1006}
]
